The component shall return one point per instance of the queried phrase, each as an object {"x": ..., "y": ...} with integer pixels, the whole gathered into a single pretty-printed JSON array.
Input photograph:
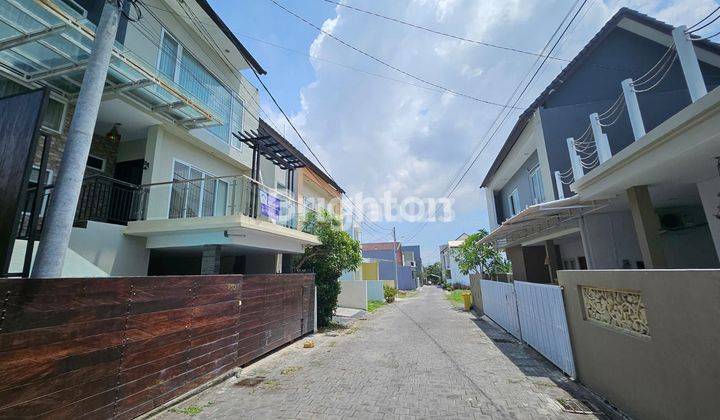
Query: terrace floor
[{"x": 417, "y": 358}]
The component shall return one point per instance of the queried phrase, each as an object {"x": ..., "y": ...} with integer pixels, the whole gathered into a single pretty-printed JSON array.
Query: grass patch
[
  {"x": 191, "y": 410},
  {"x": 290, "y": 370},
  {"x": 374, "y": 305},
  {"x": 270, "y": 384},
  {"x": 455, "y": 297}
]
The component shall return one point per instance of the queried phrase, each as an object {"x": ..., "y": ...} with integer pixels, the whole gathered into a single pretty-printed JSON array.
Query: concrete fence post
[
  {"x": 577, "y": 168},
  {"x": 689, "y": 63},
  {"x": 633, "y": 108},
  {"x": 602, "y": 144}
]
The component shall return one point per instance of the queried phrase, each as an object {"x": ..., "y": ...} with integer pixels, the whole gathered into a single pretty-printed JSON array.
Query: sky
[{"x": 377, "y": 130}]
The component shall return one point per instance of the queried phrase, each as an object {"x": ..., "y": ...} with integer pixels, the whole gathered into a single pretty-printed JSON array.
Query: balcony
[{"x": 228, "y": 210}]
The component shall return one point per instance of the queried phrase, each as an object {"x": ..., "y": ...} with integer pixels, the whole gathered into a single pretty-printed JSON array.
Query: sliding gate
[{"x": 534, "y": 313}]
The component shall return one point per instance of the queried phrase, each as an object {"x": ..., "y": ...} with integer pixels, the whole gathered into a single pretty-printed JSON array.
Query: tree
[
  {"x": 475, "y": 257},
  {"x": 433, "y": 272},
  {"x": 337, "y": 252}
]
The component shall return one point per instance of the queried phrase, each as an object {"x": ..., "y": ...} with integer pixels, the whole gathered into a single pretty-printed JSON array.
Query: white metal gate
[
  {"x": 499, "y": 304},
  {"x": 543, "y": 323}
]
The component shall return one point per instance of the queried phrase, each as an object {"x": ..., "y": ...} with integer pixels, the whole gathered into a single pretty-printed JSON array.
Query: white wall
[
  {"x": 609, "y": 238},
  {"x": 105, "y": 246},
  {"x": 353, "y": 294},
  {"x": 709, "y": 191}
]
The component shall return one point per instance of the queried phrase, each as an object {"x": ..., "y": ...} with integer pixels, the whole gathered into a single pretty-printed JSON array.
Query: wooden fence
[{"x": 119, "y": 347}]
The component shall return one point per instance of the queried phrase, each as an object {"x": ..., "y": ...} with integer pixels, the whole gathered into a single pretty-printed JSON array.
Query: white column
[
  {"x": 689, "y": 63},
  {"x": 559, "y": 185},
  {"x": 633, "y": 108},
  {"x": 577, "y": 168},
  {"x": 602, "y": 144}
]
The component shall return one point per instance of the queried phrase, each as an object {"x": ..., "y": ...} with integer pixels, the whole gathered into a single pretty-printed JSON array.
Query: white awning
[{"x": 540, "y": 220}]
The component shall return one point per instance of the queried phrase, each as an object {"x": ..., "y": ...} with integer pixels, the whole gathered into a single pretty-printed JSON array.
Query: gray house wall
[
  {"x": 595, "y": 85},
  {"x": 386, "y": 263},
  {"x": 521, "y": 181}
]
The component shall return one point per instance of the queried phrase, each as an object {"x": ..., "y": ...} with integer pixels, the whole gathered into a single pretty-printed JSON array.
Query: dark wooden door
[{"x": 130, "y": 171}]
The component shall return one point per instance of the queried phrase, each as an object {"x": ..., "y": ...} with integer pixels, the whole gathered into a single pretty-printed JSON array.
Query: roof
[
  {"x": 539, "y": 219},
  {"x": 264, "y": 126},
  {"x": 378, "y": 246},
  {"x": 573, "y": 66},
  {"x": 231, "y": 36}
]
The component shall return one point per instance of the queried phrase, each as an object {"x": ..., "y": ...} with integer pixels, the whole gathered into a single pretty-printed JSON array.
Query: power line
[
  {"x": 445, "y": 34},
  {"x": 527, "y": 85},
  {"x": 385, "y": 63},
  {"x": 693, "y": 28}
]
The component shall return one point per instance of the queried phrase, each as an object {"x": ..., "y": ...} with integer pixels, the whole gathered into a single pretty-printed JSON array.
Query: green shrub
[{"x": 389, "y": 292}]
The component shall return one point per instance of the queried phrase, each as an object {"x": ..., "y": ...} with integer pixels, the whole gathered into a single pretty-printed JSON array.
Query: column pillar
[
  {"x": 210, "y": 262},
  {"x": 647, "y": 227},
  {"x": 551, "y": 256}
]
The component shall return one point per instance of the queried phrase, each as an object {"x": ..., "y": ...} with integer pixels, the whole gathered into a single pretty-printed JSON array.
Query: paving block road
[{"x": 417, "y": 358}]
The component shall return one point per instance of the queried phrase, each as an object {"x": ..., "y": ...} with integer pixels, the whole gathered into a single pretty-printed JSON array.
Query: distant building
[
  {"x": 411, "y": 258},
  {"x": 450, "y": 270}
]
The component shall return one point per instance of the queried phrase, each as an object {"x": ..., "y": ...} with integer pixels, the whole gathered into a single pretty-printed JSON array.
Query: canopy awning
[
  {"x": 541, "y": 219},
  {"x": 274, "y": 148},
  {"x": 49, "y": 42}
]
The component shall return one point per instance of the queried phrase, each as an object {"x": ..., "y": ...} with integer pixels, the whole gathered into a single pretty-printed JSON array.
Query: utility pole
[
  {"x": 395, "y": 251},
  {"x": 61, "y": 213}
]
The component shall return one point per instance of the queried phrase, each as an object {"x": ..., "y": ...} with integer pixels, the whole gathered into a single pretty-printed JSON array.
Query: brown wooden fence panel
[
  {"x": 272, "y": 312},
  {"x": 119, "y": 347}
]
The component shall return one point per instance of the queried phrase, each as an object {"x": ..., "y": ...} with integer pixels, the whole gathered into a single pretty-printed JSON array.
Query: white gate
[
  {"x": 499, "y": 304},
  {"x": 543, "y": 322}
]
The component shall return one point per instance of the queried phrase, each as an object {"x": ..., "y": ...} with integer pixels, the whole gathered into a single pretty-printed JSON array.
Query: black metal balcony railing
[{"x": 102, "y": 199}]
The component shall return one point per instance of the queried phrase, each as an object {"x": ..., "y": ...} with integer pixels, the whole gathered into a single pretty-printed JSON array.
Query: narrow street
[{"x": 419, "y": 357}]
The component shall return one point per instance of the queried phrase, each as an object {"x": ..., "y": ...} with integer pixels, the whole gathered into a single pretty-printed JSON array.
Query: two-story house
[
  {"x": 412, "y": 258},
  {"x": 538, "y": 212},
  {"x": 183, "y": 177},
  {"x": 449, "y": 265}
]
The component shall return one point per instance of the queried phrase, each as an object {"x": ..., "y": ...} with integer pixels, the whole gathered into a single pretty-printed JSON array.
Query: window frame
[
  {"x": 201, "y": 198},
  {"x": 103, "y": 160},
  {"x": 514, "y": 204},
  {"x": 535, "y": 173}
]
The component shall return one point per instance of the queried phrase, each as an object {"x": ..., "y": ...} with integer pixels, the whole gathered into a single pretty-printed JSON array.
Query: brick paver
[{"x": 417, "y": 358}]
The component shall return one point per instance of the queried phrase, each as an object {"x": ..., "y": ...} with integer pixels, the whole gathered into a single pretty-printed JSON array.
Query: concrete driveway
[{"x": 418, "y": 357}]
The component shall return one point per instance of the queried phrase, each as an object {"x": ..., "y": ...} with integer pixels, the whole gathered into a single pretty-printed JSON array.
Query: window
[
  {"x": 181, "y": 67},
  {"x": 95, "y": 162},
  {"x": 514, "y": 202},
  {"x": 54, "y": 113},
  {"x": 536, "y": 187},
  {"x": 193, "y": 194}
]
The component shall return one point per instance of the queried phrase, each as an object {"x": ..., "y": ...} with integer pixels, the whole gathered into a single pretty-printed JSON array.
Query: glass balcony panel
[{"x": 25, "y": 14}]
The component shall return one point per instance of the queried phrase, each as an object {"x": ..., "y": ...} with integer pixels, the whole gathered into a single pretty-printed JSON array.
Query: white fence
[
  {"x": 543, "y": 323},
  {"x": 533, "y": 313},
  {"x": 499, "y": 304}
]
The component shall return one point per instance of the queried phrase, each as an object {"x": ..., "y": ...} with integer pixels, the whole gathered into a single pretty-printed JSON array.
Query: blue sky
[{"x": 378, "y": 135}]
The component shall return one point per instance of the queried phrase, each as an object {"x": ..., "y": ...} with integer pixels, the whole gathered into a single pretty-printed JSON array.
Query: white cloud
[{"x": 376, "y": 135}]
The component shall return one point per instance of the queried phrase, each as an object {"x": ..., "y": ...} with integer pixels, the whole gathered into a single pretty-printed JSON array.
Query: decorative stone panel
[{"x": 619, "y": 309}]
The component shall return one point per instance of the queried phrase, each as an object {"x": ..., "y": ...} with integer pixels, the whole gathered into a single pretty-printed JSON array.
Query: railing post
[
  {"x": 689, "y": 63},
  {"x": 602, "y": 144},
  {"x": 232, "y": 196},
  {"x": 633, "y": 108},
  {"x": 575, "y": 163},
  {"x": 559, "y": 185}
]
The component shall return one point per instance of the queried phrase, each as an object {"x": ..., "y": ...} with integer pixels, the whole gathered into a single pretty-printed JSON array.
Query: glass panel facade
[
  {"x": 168, "y": 57},
  {"x": 178, "y": 194},
  {"x": 536, "y": 187}
]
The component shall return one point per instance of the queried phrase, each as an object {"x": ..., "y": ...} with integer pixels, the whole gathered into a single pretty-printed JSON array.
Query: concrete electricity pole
[
  {"x": 395, "y": 250},
  {"x": 61, "y": 213}
]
